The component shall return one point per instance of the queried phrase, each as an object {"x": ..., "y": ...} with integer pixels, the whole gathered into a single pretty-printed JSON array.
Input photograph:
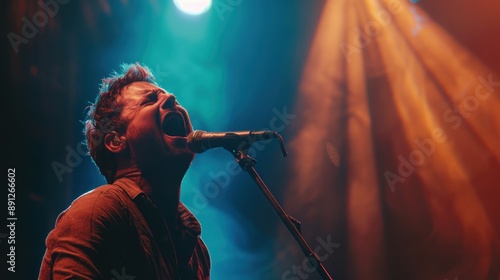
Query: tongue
[{"x": 174, "y": 126}]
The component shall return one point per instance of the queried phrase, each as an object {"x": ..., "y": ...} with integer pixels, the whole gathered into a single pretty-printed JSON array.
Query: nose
[{"x": 169, "y": 102}]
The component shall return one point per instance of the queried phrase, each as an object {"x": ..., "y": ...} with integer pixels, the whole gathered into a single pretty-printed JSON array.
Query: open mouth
[{"x": 173, "y": 125}]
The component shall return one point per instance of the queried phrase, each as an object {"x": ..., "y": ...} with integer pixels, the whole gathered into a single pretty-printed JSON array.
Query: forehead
[{"x": 136, "y": 90}]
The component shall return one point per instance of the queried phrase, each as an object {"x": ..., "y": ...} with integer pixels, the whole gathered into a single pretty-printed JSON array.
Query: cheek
[
  {"x": 145, "y": 147},
  {"x": 142, "y": 125},
  {"x": 143, "y": 138}
]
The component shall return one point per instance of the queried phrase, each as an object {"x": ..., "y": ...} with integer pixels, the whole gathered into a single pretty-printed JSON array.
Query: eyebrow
[{"x": 153, "y": 90}]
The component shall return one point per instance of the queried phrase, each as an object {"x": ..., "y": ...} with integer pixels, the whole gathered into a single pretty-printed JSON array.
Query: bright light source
[{"x": 193, "y": 7}]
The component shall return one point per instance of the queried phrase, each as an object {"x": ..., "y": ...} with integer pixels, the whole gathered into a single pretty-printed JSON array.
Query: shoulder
[
  {"x": 104, "y": 206},
  {"x": 103, "y": 197}
]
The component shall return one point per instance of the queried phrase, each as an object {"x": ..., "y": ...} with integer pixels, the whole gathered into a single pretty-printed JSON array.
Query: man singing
[{"x": 134, "y": 227}]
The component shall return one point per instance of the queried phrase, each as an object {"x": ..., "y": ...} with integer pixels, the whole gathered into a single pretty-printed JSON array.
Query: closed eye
[{"x": 151, "y": 98}]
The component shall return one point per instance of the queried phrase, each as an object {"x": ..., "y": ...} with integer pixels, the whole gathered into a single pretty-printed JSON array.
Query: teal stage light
[{"x": 193, "y": 7}]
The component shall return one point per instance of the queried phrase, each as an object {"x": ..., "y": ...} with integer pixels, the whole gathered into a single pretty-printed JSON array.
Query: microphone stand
[{"x": 247, "y": 163}]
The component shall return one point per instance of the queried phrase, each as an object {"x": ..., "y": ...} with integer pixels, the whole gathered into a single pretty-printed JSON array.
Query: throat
[
  {"x": 161, "y": 188},
  {"x": 165, "y": 196}
]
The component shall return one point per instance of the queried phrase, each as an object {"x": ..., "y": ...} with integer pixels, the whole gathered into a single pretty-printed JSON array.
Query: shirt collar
[
  {"x": 186, "y": 217},
  {"x": 128, "y": 185}
]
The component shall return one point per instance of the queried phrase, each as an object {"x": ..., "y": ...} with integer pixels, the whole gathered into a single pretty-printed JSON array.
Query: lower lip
[{"x": 178, "y": 139}]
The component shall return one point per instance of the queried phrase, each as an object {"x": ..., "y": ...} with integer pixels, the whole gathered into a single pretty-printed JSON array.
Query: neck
[{"x": 161, "y": 190}]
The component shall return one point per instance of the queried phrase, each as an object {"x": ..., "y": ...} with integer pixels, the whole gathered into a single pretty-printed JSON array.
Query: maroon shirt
[{"x": 115, "y": 232}]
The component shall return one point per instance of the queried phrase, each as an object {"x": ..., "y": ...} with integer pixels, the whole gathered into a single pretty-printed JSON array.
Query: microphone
[{"x": 200, "y": 141}]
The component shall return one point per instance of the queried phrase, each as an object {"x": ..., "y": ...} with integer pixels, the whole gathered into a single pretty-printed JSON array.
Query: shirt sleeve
[
  {"x": 78, "y": 246},
  {"x": 204, "y": 260}
]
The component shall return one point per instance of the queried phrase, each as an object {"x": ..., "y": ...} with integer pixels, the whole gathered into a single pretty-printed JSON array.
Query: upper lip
[{"x": 176, "y": 113}]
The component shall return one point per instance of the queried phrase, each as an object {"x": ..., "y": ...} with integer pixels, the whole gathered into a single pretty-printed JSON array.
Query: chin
[
  {"x": 180, "y": 161},
  {"x": 171, "y": 169}
]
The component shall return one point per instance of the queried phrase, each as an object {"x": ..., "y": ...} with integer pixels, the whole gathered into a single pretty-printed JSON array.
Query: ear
[{"x": 115, "y": 143}]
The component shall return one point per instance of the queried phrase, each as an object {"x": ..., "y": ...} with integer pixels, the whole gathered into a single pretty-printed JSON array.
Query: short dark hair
[{"x": 104, "y": 115}]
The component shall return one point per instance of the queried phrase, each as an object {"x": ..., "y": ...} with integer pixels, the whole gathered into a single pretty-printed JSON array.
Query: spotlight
[{"x": 193, "y": 7}]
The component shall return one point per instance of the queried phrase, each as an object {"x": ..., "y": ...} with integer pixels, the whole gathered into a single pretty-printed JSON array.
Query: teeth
[{"x": 173, "y": 125}]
